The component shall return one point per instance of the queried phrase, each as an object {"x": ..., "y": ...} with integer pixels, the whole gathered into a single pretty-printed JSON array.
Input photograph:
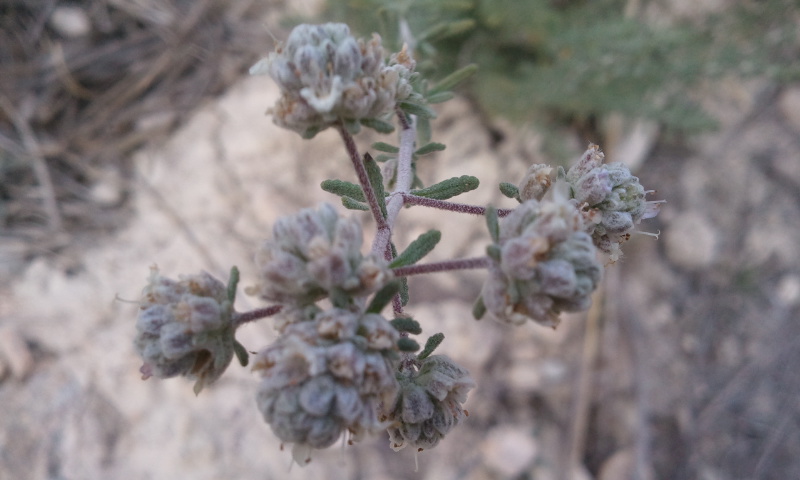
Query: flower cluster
[
  {"x": 610, "y": 198},
  {"x": 429, "y": 404},
  {"x": 314, "y": 253},
  {"x": 544, "y": 263},
  {"x": 326, "y": 75},
  {"x": 328, "y": 373},
  {"x": 184, "y": 328}
]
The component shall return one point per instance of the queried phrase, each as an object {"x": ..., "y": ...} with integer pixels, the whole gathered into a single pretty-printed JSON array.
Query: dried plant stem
[
  {"x": 253, "y": 315},
  {"x": 446, "y": 266},
  {"x": 410, "y": 199},
  {"x": 31, "y": 145}
]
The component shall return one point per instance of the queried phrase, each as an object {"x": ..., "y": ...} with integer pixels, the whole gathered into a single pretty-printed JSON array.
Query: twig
[
  {"x": 410, "y": 199},
  {"x": 363, "y": 179},
  {"x": 253, "y": 315},
  {"x": 31, "y": 145},
  {"x": 446, "y": 266}
]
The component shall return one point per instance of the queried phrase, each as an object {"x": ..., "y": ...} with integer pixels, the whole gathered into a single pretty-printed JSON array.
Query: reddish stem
[
  {"x": 239, "y": 319},
  {"x": 410, "y": 199},
  {"x": 363, "y": 178},
  {"x": 446, "y": 266}
]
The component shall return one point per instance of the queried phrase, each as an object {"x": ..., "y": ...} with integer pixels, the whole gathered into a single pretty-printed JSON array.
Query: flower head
[
  {"x": 610, "y": 198},
  {"x": 184, "y": 328},
  {"x": 326, "y": 75},
  {"x": 313, "y": 253},
  {"x": 546, "y": 263},
  {"x": 429, "y": 404},
  {"x": 327, "y": 375}
]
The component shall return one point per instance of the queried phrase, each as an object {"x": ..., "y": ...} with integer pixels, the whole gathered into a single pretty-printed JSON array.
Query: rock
[
  {"x": 509, "y": 450},
  {"x": 691, "y": 241},
  {"x": 71, "y": 22}
]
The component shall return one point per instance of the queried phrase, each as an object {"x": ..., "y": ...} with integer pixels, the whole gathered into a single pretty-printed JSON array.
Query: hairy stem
[
  {"x": 446, "y": 266},
  {"x": 410, "y": 199},
  {"x": 363, "y": 179},
  {"x": 239, "y": 319}
]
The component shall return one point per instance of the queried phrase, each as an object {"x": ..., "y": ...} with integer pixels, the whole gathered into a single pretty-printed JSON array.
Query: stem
[
  {"x": 446, "y": 266},
  {"x": 239, "y": 319},
  {"x": 363, "y": 179},
  {"x": 405, "y": 177},
  {"x": 410, "y": 199}
]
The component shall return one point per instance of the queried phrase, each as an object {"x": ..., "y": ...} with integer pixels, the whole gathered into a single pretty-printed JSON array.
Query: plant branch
[
  {"x": 410, "y": 199},
  {"x": 363, "y": 179},
  {"x": 239, "y": 319},
  {"x": 446, "y": 266}
]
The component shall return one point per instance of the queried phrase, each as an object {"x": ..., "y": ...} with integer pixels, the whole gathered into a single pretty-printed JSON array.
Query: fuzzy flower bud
[
  {"x": 325, "y": 376},
  {"x": 325, "y": 75},
  {"x": 611, "y": 200},
  {"x": 536, "y": 182},
  {"x": 429, "y": 404},
  {"x": 545, "y": 264},
  {"x": 184, "y": 328},
  {"x": 314, "y": 252}
]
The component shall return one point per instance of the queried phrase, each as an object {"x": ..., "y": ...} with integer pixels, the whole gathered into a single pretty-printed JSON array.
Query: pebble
[
  {"x": 71, "y": 22},
  {"x": 692, "y": 241},
  {"x": 510, "y": 450},
  {"x": 16, "y": 353}
]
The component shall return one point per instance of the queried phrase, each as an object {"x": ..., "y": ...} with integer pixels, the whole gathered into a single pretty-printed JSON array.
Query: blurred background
[{"x": 130, "y": 135}]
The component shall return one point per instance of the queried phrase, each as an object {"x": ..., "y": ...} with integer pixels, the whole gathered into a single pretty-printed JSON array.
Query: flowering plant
[{"x": 341, "y": 366}]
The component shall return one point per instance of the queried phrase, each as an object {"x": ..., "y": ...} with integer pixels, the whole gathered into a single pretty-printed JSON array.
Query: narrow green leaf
[
  {"x": 404, "y": 291},
  {"x": 383, "y": 297},
  {"x": 417, "y": 109},
  {"x": 417, "y": 249},
  {"x": 493, "y": 222},
  {"x": 479, "y": 308},
  {"x": 310, "y": 132},
  {"x": 450, "y": 81},
  {"x": 385, "y": 147},
  {"x": 406, "y": 324},
  {"x": 351, "y": 204},
  {"x": 430, "y": 148},
  {"x": 423, "y": 130},
  {"x": 493, "y": 251},
  {"x": 430, "y": 346},
  {"x": 339, "y": 298},
  {"x": 406, "y": 344},
  {"x": 233, "y": 282},
  {"x": 241, "y": 353},
  {"x": 382, "y": 158},
  {"x": 344, "y": 189},
  {"x": 448, "y": 188},
  {"x": 509, "y": 190},
  {"x": 378, "y": 125},
  {"x": 439, "y": 97},
  {"x": 376, "y": 180}
]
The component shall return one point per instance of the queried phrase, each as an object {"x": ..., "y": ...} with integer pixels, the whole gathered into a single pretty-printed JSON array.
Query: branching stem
[
  {"x": 240, "y": 319},
  {"x": 363, "y": 179},
  {"x": 446, "y": 266},
  {"x": 410, "y": 199}
]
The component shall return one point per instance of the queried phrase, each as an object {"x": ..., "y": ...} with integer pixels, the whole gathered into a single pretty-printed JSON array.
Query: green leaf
[
  {"x": 509, "y": 190},
  {"x": 383, "y": 297},
  {"x": 344, "y": 189},
  {"x": 431, "y": 345},
  {"x": 385, "y": 147},
  {"x": 406, "y": 324},
  {"x": 450, "y": 81},
  {"x": 376, "y": 180},
  {"x": 493, "y": 251},
  {"x": 382, "y": 157},
  {"x": 430, "y": 148},
  {"x": 241, "y": 353},
  {"x": 439, "y": 97},
  {"x": 233, "y": 282},
  {"x": 351, "y": 204},
  {"x": 478, "y": 308},
  {"x": 417, "y": 109},
  {"x": 493, "y": 222},
  {"x": 448, "y": 188},
  {"x": 423, "y": 130},
  {"x": 378, "y": 125},
  {"x": 352, "y": 126},
  {"x": 406, "y": 344},
  {"x": 404, "y": 291},
  {"x": 417, "y": 249},
  {"x": 310, "y": 132}
]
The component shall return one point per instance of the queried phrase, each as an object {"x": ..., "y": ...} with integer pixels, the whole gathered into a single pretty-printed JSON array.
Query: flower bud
[
  {"x": 184, "y": 328},
  {"x": 536, "y": 182}
]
